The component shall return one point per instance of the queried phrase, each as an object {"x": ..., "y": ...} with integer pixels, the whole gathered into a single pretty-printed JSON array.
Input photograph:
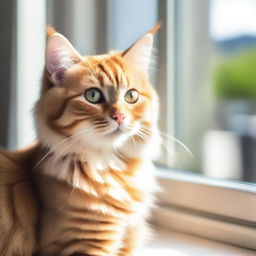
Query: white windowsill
[
  {"x": 218, "y": 210},
  {"x": 171, "y": 243}
]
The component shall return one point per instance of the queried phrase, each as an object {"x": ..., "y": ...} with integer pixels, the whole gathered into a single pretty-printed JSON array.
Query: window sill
[
  {"x": 219, "y": 210},
  {"x": 167, "y": 242}
]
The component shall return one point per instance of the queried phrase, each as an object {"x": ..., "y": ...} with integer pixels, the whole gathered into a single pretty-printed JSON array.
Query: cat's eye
[
  {"x": 131, "y": 96},
  {"x": 94, "y": 95}
]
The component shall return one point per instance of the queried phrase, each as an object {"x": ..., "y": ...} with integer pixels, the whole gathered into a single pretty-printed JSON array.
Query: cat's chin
[
  {"x": 117, "y": 135},
  {"x": 116, "y": 138},
  {"x": 116, "y": 132},
  {"x": 106, "y": 142}
]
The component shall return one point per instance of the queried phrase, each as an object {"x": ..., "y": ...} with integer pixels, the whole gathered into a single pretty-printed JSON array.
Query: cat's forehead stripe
[
  {"x": 122, "y": 77},
  {"x": 113, "y": 69},
  {"x": 106, "y": 71},
  {"x": 119, "y": 72},
  {"x": 119, "y": 63}
]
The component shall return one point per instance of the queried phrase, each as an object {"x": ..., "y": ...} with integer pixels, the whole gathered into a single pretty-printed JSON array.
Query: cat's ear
[
  {"x": 60, "y": 55},
  {"x": 138, "y": 55}
]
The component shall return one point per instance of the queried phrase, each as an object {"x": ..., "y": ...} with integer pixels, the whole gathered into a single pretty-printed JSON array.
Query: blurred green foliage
[{"x": 235, "y": 77}]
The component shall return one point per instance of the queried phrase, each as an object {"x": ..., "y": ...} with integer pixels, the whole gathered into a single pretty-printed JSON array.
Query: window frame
[
  {"x": 222, "y": 210},
  {"x": 166, "y": 79}
]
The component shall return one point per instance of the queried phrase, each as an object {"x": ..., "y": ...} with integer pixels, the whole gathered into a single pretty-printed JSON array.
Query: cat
[{"x": 87, "y": 185}]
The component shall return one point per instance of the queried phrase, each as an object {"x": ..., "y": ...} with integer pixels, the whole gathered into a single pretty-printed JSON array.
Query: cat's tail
[{"x": 18, "y": 208}]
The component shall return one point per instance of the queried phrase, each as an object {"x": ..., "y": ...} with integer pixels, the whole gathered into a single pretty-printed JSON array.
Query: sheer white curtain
[{"x": 30, "y": 61}]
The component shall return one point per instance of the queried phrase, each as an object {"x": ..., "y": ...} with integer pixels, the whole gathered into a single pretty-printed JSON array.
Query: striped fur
[{"x": 87, "y": 186}]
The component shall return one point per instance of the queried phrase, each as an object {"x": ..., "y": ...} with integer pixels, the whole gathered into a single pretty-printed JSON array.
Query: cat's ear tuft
[
  {"x": 138, "y": 55},
  {"x": 60, "y": 55},
  {"x": 50, "y": 31}
]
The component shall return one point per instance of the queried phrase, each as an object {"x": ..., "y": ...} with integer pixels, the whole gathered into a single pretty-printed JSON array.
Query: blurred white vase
[{"x": 222, "y": 155}]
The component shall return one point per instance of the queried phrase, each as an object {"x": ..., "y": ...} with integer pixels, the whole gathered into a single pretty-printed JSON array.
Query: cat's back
[
  {"x": 18, "y": 206},
  {"x": 16, "y": 166}
]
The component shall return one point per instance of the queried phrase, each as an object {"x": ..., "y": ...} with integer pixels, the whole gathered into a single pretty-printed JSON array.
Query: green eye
[
  {"x": 131, "y": 96},
  {"x": 94, "y": 95}
]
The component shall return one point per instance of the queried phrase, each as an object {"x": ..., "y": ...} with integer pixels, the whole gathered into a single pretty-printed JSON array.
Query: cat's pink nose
[{"x": 118, "y": 117}]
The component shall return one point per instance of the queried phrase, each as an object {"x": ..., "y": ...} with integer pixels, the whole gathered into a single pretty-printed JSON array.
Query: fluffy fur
[{"x": 87, "y": 186}]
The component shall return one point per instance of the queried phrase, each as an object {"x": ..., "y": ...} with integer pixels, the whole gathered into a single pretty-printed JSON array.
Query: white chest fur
[{"x": 67, "y": 169}]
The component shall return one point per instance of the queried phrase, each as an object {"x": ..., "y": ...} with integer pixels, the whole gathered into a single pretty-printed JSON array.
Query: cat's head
[{"x": 96, "y": 102}]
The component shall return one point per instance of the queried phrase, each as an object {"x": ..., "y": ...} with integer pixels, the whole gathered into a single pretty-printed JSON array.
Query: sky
[{"x": 231, "y": 18}]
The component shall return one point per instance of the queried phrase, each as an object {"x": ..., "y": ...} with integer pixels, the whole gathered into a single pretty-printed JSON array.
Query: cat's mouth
[{"x": 117, "y": 131}]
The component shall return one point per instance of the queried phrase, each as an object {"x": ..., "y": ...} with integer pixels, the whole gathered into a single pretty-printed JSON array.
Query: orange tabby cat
[{"x": 86, "y": 187}]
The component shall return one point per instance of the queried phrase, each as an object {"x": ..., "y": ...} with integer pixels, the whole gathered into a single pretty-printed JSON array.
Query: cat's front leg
[{"x": 134, "y": 239}]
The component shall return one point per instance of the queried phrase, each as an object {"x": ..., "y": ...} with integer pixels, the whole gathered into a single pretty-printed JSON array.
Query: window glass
[{"x": 215, "y": 89}]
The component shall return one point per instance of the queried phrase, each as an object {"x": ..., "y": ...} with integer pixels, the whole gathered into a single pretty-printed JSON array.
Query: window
[{"x": 200, "y": 38}]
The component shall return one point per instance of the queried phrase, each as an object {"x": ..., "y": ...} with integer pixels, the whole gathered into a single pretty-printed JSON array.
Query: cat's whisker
[
  {"x": 133, "y": 140},
  {"x": 169, "y": 151},
  {"x": 139, "y": 135},
  {"x": 58, "y": 145},
  {"x": 72, "y": 143},
  {"x": 142, "y": 134},
  {"x": 172, "y": 138},
  {"x": 61, "y": 154},
  {"x": 145, "y": 136},
  {"x": 167, "y": 147}
]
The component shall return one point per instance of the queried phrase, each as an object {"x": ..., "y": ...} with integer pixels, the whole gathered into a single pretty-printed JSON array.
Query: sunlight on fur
[{"x": 87, "y": 186}]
